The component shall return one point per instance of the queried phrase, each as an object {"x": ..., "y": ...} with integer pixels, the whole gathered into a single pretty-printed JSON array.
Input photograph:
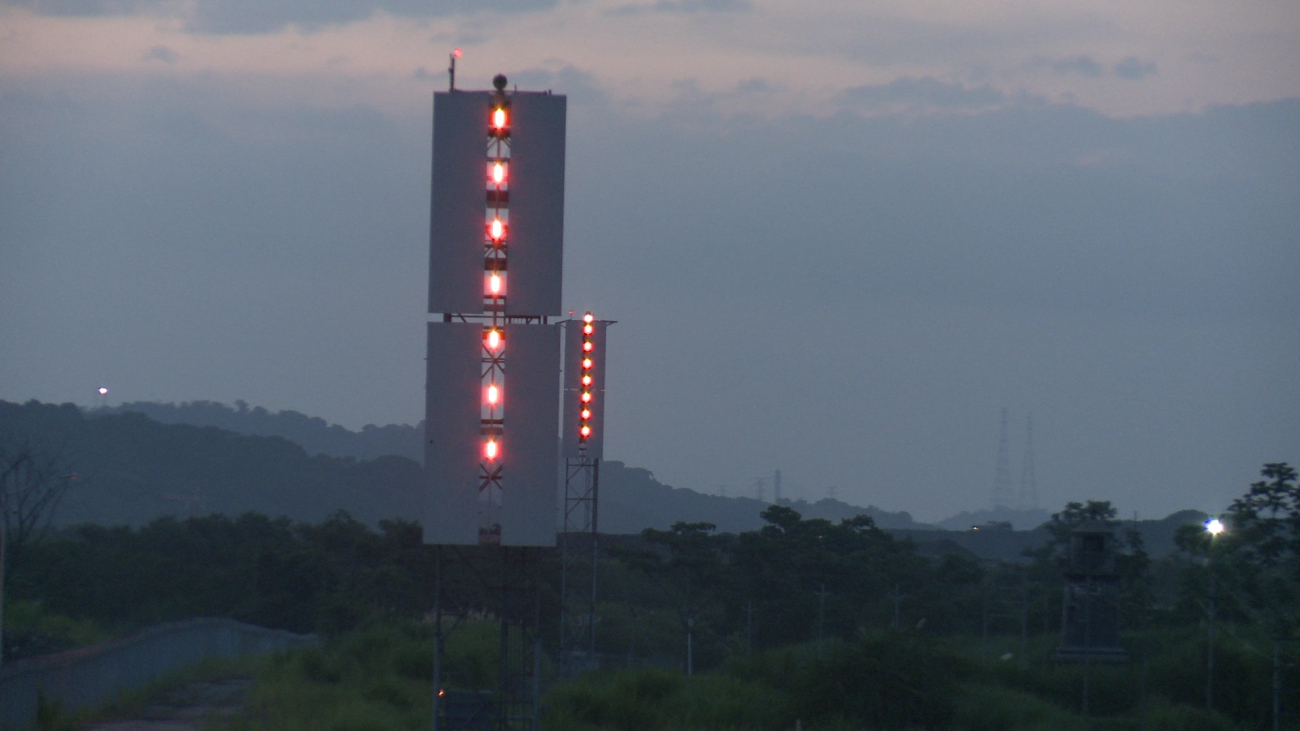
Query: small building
[{"x": 1090, "y": 605}]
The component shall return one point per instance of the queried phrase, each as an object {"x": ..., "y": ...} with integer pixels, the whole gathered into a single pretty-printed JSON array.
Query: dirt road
[{"x": 185, "y": 708}]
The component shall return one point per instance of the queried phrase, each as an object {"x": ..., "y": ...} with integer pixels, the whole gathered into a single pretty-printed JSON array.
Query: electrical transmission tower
[
  {"x": 1001, "y": 497},
  {"x": 1028, "y": 484}
]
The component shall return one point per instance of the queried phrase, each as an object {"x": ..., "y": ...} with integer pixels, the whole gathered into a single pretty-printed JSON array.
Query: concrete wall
[{"x": 94, "y": 675}]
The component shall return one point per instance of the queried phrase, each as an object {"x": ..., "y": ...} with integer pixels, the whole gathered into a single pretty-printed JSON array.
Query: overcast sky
[{"x": 838, "y": 236}]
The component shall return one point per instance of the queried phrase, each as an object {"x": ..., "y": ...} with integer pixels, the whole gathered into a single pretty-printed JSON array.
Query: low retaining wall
[{"x": 95, "y": 675}]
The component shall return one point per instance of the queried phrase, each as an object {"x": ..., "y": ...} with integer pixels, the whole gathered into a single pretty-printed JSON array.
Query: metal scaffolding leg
[
  {"x": 512, "y": 577},
  {"x": 578, "y": 563}
]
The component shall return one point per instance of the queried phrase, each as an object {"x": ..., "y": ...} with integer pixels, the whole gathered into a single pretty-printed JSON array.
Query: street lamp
[{"x": 1213, "y": 527}]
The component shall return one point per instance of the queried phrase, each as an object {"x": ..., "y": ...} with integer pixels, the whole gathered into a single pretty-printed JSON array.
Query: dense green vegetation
[
  {"x": 376, "y": 677},
  {"x": 828, "y": 624}
]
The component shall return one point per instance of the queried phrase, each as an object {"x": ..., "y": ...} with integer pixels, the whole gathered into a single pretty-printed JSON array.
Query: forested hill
[
  {"x": 631, "y": 499},
  {"x": 312, "y": 433},
  {"x": 130, "y": 469}
]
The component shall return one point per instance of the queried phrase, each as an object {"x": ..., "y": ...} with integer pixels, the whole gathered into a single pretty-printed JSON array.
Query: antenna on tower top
[
  {"x": 1001, "y": 497},
  {"x": 451, "y": 70},
  {"x": 1028, "y": 484}
]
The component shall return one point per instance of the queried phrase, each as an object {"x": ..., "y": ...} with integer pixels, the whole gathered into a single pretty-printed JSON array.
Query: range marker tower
[{"x": 492, "y": 392}]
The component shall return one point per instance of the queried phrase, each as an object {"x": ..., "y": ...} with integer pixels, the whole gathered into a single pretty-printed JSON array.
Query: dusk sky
[{"x": 838, "y": 237}]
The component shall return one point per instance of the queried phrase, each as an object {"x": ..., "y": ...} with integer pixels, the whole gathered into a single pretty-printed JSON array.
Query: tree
[
  {"x": 32, "y": 482},
  {"x": 692, "y": 567},
  {"x": 1263, "y": 542},
  {"x": 1262, "y": 551}
]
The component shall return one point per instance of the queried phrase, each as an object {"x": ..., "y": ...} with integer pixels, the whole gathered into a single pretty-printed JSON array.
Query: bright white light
[
  {"x": 494, "y": 284},
  {"x": 1214, "y": 526},
  {"x": 493, "y": 339},
  {"x": 103, "y": 391},
  {"x": 586, "y": 414},
  {"x": 586, "y": 397},
  {"x": 587, "y": 329},
  {"x": 496, "y": 229},
  {"x": 493, "y": 395},
  {"x": 587, "y": 346},
  {"x": 588, "y": 317},
  {"x": 586, "y": 363},
  {"x": 498, "y": 173},
  {"x": 586, "y": 431},
  {"x": 499, "y": 119},
  {"x": 490, "y": 449},
  {"x": 586, "y": 380}
]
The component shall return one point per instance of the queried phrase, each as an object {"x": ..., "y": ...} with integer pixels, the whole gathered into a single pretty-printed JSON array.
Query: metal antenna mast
[
  {"x": 1001, "y": 497},
  {"x": 1028, "y": 485}
]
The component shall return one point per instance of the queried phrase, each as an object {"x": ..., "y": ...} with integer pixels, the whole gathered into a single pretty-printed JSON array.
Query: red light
[
  {"x": 490, "y": 449},
  {"x": 586, "y": 414},
  {"x": 493, "y": 395},
  {"x": 493, "y": 339},
  {"x": 586, "y": 363},
  {"x": 586, "y": 346},
  {"x": 588, "y": 318},
  {"x": 455, "y": 53},
  {"x": 496, "y": 229},
  {"x": 587, "y": 329},
  {"x": 498, "y": 173},
  {"x": 586, "y": 380},
  {"x": 586, "y": 430},
  {"x": 586, "y": 397},
  {"x": 499, "y": 119}
]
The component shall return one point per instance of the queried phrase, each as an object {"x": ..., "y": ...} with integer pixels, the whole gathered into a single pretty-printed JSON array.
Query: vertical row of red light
[
  {"x": 496, "y": 237},
  {"x": 588, "y": 362}
]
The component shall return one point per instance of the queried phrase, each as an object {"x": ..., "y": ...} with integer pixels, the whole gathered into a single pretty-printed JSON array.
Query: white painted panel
[
  {"x": 458, "y": 201},
  {"x": 529, "y": 455},
  {"x": 536, "y": 203},
  {"x": 452, "y": 510}
]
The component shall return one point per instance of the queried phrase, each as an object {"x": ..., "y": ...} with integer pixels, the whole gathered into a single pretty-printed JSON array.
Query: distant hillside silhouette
[
  {"x": 1026, "y": 519},
  {"x": 312, "y": 433},
  {"x": 631, "y": 499},
  {"x": 133, "y": 468}
]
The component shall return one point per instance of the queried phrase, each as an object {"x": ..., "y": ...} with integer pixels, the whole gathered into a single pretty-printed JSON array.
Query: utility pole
[
  {"x": 821, "y": 619},
  {"x": 1028, "y": 499},
  {"x": 690, "y": 641},
  {"x": 1001, "y": 496},
  {"x": 897, "y": 595},
  {"x": 749, "y": 627}
]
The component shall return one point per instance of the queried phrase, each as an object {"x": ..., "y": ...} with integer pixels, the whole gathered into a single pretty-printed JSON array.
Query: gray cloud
[
  {"x": 754, "y": 86},
  {"x": 1081, "y": 65},
  {"x": 681, "y": 6},
  {"x": 268, "y": 16},
  {"x": 1133, "y": 68},
  {"x": 925, "y": 92},
  {"x": 163, "y": 54}
]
